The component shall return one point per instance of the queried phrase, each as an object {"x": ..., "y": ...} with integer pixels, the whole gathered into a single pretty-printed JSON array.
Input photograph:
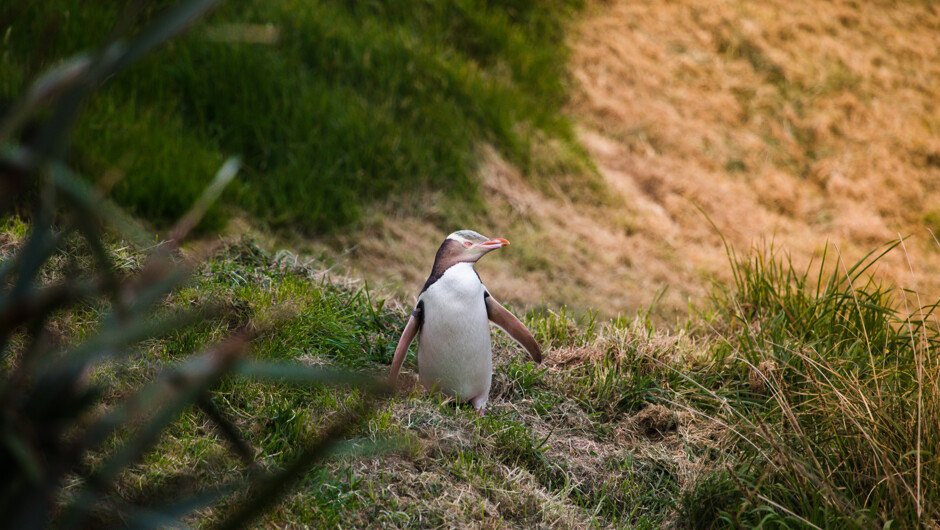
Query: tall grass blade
[
  {"x": 227, "y": 429},
  {"x": 171, "y": 515},
  {"x": 87, "y": 201},
  {"x": 211, "y": 194},
  {"x": 171, "y": 24}
]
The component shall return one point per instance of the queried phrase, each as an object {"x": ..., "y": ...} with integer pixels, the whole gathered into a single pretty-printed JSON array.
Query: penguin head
[{"x": 469, "y": 246}]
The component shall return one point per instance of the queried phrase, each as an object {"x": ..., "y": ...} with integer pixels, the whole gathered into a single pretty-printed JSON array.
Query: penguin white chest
[{"x": 454, "y": 350}]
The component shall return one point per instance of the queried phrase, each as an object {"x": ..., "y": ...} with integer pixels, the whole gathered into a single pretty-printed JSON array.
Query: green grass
[
  {"x": 560, "y": 328},
  {"x": 296, "y": 320},
  {"x": 512, "y": 459},
  {"x": 352, "y": 103},
  {"x": 806, "y": 399},
  {"x": 836, "y": 399}
]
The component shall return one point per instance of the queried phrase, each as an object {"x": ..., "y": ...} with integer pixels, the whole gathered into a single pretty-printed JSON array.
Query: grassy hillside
[
  {"x": 802, "y": 123},
  {"x": 788, "y": 396},
  {"x": 802, "y": 398},
  {"x": 806, "y": 123},
  {"x": 334, "y": 106},
  {"x": 382, "y": 120}
]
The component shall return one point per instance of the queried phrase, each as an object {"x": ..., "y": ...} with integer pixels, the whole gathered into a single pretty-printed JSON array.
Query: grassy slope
[
  {"x": 333, "y": 106},
  {"x": 826, "y": 132},
  {"x": 781, "y": 362},
  {"x": 805, "y": 123},
  {"x": 726, "y": 420}
]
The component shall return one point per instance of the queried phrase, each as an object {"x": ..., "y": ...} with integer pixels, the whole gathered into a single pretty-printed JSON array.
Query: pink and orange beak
[{"x": 494, "y": 243}]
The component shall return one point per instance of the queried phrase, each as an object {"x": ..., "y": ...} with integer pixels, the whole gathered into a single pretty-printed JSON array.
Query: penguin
[{"x": 451, "y": 320}]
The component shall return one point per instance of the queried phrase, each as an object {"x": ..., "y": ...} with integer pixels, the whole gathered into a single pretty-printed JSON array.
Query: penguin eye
[{"x": 467, "y": 243}]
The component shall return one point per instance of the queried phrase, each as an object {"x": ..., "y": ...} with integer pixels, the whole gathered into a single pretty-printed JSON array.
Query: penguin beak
[{"x": 494, "y": 244}]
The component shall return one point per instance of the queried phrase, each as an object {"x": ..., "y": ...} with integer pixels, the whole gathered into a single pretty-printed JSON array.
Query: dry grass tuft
[
  {"x": 655, "y": 420},
  {"x": 762, "y": 376},
  {"x": 573, "y": 355}
]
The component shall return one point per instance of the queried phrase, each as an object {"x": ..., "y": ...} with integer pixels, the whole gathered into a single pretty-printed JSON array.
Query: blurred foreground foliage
[
  {"x": 333, "y": 105},
  {"x": 80, "y": 309}
]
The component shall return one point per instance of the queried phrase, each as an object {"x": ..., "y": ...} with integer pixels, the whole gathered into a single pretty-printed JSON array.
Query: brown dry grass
[
  {"x": 804, "y": 122},
  {"x": 797, "y": 122}
]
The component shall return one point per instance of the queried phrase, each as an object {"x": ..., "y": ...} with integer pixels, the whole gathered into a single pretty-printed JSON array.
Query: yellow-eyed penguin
[{"x": 451, "y": 320}]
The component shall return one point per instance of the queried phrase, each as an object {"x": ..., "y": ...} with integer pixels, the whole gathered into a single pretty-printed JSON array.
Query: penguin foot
[{"x": 479, "y": 403}]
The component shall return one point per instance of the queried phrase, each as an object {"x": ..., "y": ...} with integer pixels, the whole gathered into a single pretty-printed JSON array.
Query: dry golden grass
[{"x": 804, "y": 122}]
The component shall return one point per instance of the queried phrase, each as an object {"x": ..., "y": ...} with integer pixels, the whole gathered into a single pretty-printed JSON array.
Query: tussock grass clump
[
  {"x": 843, "y": 429},
  {"x": 560, "y": 328}
]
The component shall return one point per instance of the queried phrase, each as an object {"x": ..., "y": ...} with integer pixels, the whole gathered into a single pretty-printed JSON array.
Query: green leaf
[
  {"x": 20, "y": 451},
  {"x": 211, "y": 194},
  {"x": 305, "y": 375},
  {"x": 170, "y": 515}
]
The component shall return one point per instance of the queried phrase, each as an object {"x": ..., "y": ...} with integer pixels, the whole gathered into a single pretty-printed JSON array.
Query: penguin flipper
[
  {"x": 508, "y": 322},
  {"x": 407, "y": 336}
]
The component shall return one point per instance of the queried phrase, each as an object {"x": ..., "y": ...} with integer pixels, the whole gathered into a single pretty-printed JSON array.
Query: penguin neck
[{"x": 447, "y": 256}]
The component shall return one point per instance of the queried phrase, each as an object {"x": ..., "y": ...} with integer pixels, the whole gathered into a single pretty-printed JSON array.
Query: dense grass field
[{"x": 333, "y": 106}]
